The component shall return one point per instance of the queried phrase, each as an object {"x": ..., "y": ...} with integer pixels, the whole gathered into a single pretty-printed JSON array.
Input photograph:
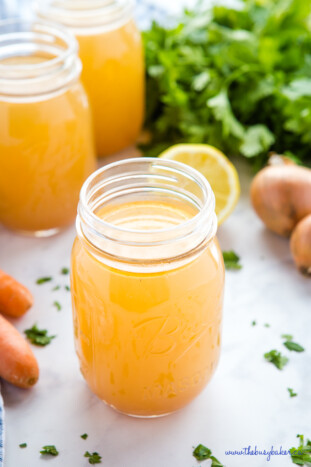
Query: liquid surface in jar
[
  {"x": 46, "y": 153},
  {"x": 113, "y": 75},
  {"x": 31, "y": 59},
  {"x": 147, "y": 342},
  {"x": 147, "y": 215}
]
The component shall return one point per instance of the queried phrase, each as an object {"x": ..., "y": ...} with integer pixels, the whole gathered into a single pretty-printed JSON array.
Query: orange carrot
[
  {"x": 15, "y": 299},
  {"x": 18, "y": 365}
]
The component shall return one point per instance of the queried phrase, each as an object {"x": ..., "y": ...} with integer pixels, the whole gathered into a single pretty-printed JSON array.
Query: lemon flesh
[{"x": 216, "y": 168}]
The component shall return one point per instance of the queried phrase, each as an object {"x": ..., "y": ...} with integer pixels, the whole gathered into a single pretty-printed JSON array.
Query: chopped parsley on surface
[
  {"x": 201, "y": 453},
  {"x": 50, "y": 449},
  {"x": 64, "y": 271},
  {"x": 254, "y": 323},
  {"x": 43, "y": 280},
  {"x": 215, "y": 462},
  {"x": 290, "y": 345},
  {"x": 231, "y": 260},
  {"x": 38, "y": 336},
  {"x": 291, "y": 392},
  {"x": 293, "y": 346},
  {"x": 84, "y": 436},
  {"x": 302, "y": 454},
  {"x": 67, "y": 288},
  {"x": 23, "y": 445},
  {"x": 94, "y": 458},
  {"x": 57, "y": 287},
  {"x": 276, "y": 358},
  {"x": 57, "y": 306},
  {"x": 287, "y": 337}
]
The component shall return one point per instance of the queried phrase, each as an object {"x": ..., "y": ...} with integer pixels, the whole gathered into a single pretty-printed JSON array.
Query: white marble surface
[{"x": 246, "y": 403}]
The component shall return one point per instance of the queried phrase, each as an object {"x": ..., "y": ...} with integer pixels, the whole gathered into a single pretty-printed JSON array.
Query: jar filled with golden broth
[
  {"x": 147, "y": 280},
  {"x": 46, "y": 140},
  {"x": 113, "y": 66}
]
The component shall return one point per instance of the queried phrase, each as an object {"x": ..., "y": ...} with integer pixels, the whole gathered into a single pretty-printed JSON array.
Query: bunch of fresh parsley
[{"x": 239, "y": 79}]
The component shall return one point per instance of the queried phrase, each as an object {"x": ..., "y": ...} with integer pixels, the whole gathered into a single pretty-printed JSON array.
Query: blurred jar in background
[
  {"x": 113, "y": 66},
  {"x": 46, "y": 140}
]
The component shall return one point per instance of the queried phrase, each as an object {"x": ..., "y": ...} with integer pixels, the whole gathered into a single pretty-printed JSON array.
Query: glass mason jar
[
  {"x": 147, "y": 280},
  {"x": 113, "y": 66},
  {"x": 46, "y": 141}
]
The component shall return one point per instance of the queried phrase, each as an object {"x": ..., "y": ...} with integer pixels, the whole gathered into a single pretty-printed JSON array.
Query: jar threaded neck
[
  {"x": 86, "y": 16},
  {"x": 147, "y": 180},
  {"x": 36, "y": 58}
]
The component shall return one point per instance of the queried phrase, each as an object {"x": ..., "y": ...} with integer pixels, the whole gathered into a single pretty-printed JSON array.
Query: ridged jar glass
[
  {"x": 147, "y": 281},
  {"x": 46, "y": 140},
  {"x": 113, "y": 65}
]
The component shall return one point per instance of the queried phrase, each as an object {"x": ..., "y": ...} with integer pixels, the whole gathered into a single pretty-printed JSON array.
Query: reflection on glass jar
[
  {"x": 147, "y": 285},
  {"x": 46, "y": 141},
  {"x": 113, "y": 69}
]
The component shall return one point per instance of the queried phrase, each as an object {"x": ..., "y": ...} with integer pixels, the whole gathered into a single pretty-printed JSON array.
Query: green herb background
[{"x": 236, "y": 79}]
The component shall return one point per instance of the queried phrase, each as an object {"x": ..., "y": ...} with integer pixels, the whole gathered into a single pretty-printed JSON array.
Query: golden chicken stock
[
  {"x": 147, "y": 335},
  {"x": 46, "y": 141},
  {"x": 110, "y": 49}
]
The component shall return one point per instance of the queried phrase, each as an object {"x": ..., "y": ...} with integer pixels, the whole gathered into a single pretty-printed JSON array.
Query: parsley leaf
[
  {"x": 57, "y": 287},
  {"x": 38, "y": 336},
  {"x": 291, "y": 392},
  {"x": 293, "y": 346},
  {"x": 84, "y": 436},
  {"x": 23, "y": 445},
  {"x": 57, "y": 306},
  {"x": 215, "y": 462},
  {"x": 287, "y": 337},
  {"x": 201, "y": 453},
  {"x": 302, "y": 454},
  {"x": 276, "y": 358},
  {"x": 94, "y": 458},
  {"x": 64, "y": 271},
  {"x": 231, "y": 260},
  {"x": 43, "y": 280},
  {"x": 50, "y": 449},
  {"x": 67, "y": 288},
  {"x": 254, "y": 323},
  {"x": 256, "y": 138}
]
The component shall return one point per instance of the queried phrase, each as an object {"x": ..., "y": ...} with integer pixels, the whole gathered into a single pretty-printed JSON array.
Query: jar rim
[
  {"x": 19, "y": 38},
  {"x": 201, "y": 180},
  {"x": 146, "y": 179},
  {"x": 83, "y": 15}
]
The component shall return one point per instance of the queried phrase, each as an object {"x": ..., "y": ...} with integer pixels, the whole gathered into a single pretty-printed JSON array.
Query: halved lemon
[{"x": 216, "y": 167}]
